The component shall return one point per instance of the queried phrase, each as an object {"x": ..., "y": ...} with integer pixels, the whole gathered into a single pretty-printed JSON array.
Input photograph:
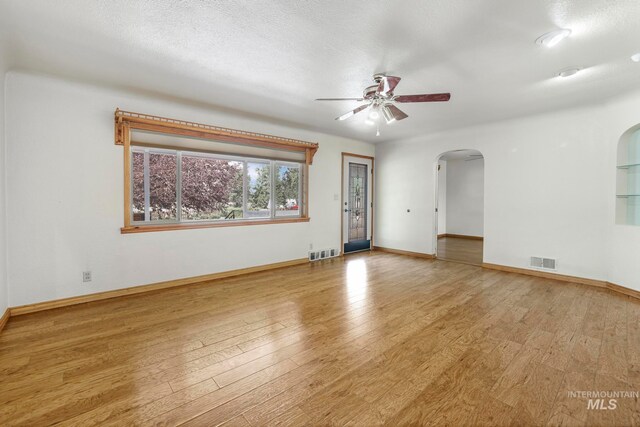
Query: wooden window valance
[{"x": 125, "y": 121}]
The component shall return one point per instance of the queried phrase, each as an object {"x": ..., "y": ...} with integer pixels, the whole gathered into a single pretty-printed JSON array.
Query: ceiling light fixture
[
  {"x": 552, "y": 38},
  {"x": 388, "y": 115},
  {"x": 370, "y": 122},
  {"x": 636, "y": 57},
  {"x": 373, "y": 115},
  {"x": 569, "y": 72}
]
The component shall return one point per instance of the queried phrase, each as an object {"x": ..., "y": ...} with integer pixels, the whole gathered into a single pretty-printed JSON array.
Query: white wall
[
  {"x": 4, "y": 291},
  {"x": 465, "y": 197},
  {"x": 549, "y": 191},
  {"x": 61, "y": 154},
  {"x": 442, "y": 197},
  {"x": 545, "y": 192}
]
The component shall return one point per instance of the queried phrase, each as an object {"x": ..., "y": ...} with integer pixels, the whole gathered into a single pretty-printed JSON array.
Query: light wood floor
[
  {"x": 461, "y": 250},
  {"x": 372, "y": 339}
]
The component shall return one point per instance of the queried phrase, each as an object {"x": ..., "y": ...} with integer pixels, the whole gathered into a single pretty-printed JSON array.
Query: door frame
[
  {"x": 436, "y": 181},
  {"x": 372, "y": 181},
  {"x": 436, "y": 202}
]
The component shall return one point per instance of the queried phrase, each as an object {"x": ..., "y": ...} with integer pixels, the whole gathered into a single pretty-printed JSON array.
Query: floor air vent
[
  {"x": 323, "y": 254},
  {"x": 543, "y": 263}
]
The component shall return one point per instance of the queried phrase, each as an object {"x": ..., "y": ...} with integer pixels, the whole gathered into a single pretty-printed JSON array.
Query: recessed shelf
[
  {"x": 628, "y": 178},
  {"x": 629, "y": 166}
]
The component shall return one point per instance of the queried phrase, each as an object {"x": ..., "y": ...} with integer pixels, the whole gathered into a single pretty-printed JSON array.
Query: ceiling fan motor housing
[
  {"x": 369, "y": 92},
  {"x": 378, "y": 77}
]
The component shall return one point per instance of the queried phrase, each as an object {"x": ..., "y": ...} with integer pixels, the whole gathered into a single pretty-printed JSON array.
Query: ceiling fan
[{"x": 380, "y": 97}]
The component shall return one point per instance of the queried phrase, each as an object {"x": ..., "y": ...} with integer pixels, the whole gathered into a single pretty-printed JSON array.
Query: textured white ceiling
[{"x": 273, "y": 58}]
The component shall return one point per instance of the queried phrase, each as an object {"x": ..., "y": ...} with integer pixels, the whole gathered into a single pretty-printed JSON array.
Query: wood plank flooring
[
  {"x": 460, "y": 250},
  {"x": 371, "y": 339}
]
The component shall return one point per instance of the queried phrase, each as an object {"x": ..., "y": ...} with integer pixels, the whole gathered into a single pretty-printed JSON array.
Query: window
[
  {"x": 287, "y": 197},
  {"x": 154, "y": 186},
  {"x": 162, "y": 183},
  {"x": 181, "y": 175},
  {"x": 176, "y": 187},
  {"x": 258, "y": 190},
  {"x": 211, "y": 188}
]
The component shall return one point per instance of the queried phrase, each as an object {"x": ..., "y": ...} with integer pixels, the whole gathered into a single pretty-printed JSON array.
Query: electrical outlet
[{"x": 86, "y": 276}]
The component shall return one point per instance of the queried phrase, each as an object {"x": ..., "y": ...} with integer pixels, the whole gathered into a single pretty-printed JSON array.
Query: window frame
[
  {"x": 126, "y": 121},
  {"x": 179, "y": 222}
]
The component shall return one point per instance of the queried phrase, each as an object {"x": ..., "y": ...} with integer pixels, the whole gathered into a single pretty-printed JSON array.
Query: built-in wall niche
[{"x": 628, "y": 179}]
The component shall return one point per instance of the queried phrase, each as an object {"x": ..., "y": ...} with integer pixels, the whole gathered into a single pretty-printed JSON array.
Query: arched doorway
[
  {"x": 628, "y": 178},
  {"x": 459, "y": 213}
]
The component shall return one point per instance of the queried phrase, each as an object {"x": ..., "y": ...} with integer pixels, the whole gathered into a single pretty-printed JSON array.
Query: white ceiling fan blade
[
  {"x": 340, "y": 99},
  {"x": 345, "y": 116}
]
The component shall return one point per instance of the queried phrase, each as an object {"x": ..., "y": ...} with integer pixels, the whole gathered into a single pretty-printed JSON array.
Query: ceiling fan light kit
[
  {"x": 388, "y": 115},
  {"x": 381, "y": 98}
]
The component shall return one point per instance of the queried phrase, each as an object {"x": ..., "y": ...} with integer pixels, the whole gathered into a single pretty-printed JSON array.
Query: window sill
[{"x": 191, "y": 226}]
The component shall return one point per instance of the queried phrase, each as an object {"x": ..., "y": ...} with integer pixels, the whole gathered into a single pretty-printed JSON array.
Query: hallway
[{"x": 468, "y": 251}]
